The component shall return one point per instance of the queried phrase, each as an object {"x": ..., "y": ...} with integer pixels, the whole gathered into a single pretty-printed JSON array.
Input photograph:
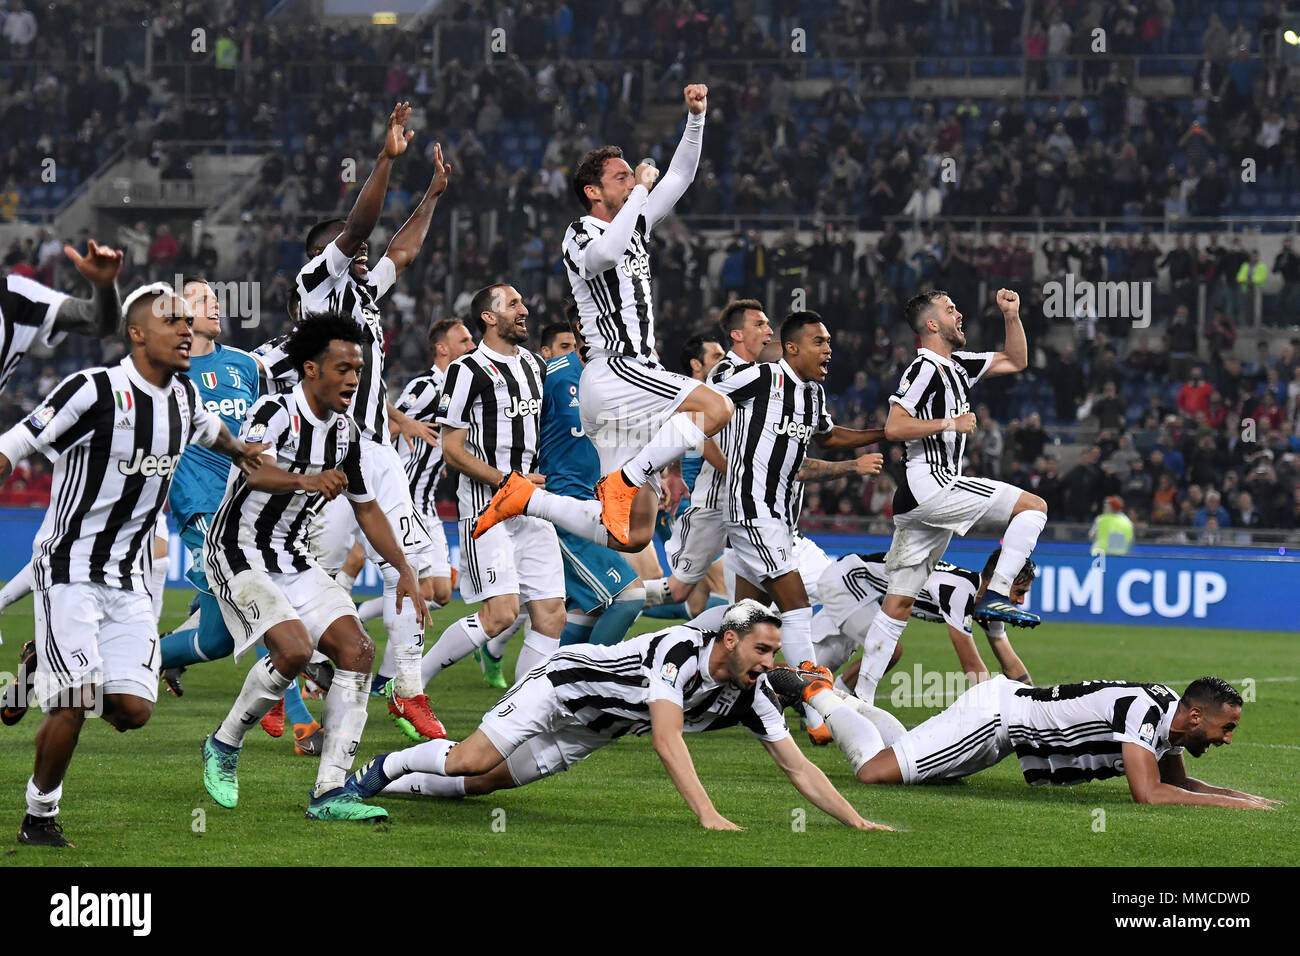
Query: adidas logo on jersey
[
  {"x": 573, "y": 403},
  {"x": 125, "y": 423}
]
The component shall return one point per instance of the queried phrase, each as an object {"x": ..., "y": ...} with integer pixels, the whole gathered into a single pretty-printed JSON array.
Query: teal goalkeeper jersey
[
  {"x": 568, "y": 459},
  {"x": 227, "y": 381}
]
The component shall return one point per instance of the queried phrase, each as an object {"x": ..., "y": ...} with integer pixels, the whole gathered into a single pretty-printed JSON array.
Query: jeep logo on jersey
[
  {"x": 635, "y": 267},
  {"x": 796, "y": 430},
  {"x": 523, "y": 406},
  {"x": 149, "y": 465},
  {"x": 228, "y": 407}
]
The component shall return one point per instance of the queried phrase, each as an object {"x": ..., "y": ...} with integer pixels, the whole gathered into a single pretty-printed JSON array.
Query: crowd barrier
[{"x": 1228, "y": 588}]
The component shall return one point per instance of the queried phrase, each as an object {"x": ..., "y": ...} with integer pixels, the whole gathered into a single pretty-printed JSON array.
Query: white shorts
[
  {"x": 834, "y": 647},
  {"x": 966, "y": 738},
  {"x": 335, "y": 527},
  {"x": 846, "y": 589},
  {"x": 812, "y": 561},
  {"x": 254, "y": 601},
  {"x": 536, "y": 734},
  {"x": 762, "y": 549},
  {"x": 698, "y": 538},
  {"x": 94, "y": 634},
  {"x": 520, "y": 555},
  {"x": 623, "y": 403},
  {"x": 921, "y": 535},
  {"x": 437, "y": 556}
]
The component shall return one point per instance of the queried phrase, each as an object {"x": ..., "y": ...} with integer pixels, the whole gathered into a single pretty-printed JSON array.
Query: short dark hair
[
  {"x": 441, "y": 329},
  {"x": 552, "y": 331},
  {"x": 482, "y": 302},
  {"x": 918, "y": 305},
  {"x": 313, "y": 335},
  {"x": 314, "y": 234},
  {"x": 733, "y": 315},
  {"x": 191, "y": 280},
  {"x": 590, "y": 169},
  {"x": 1211, "y": 690},
  {"x": 794, "y": 324},
  {"x": 293, "y": 304},
  {"x": 693, "y": 348},
  {"x": 1025, "y": 577}
]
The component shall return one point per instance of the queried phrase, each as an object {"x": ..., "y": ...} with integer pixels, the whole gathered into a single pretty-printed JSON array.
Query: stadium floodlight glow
[
  {"x": 1291, "y": 37},
  {"x": 384, "y": 19}
]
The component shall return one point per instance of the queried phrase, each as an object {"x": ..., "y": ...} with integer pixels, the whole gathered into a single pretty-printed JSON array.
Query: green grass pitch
[{"x": 137, "y": 799}]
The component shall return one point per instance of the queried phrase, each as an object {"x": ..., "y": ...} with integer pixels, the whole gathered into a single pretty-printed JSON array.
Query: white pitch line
[{"x": 1271, "y": 746}]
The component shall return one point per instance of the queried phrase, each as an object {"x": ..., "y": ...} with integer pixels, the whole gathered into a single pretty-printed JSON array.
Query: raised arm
[
  {"x": 99, "y": 315},
  {"x": 666, "y": 721},
  {"x": 814, "y": 785},
  {"x": 841, "y": 437},
  {"x": 1147, "y": 786},
  {"x": 406, "y": 244},
  {"x": 681, "y": 171},
  {"x": 1015, "y": 358},
  {"x": 603, "y": 252},
  {"x": 370, "y": 200}
]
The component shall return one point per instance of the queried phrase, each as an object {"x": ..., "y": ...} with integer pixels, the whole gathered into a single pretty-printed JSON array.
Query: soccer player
[
  {"x": 851, "y": 590},
  {"x": 603, "y": 594},
  {"x": 930, "y": 413},
  {"x": 1064, "y": 734},
  {"x": 269, "y": 585},
  {"x": 337, "y": 278},
  {"x": 117, "y": 434},
  {"x": 31, "y": 312},
  {"x": 671, "y": 682},
  {"x": 780, "y": 408},
  {"x": 490, "y": 414},
  {"x": 699, "y": 535},
  {"x": 227, "y": 381},
  {"x": 639, "y": 416}
]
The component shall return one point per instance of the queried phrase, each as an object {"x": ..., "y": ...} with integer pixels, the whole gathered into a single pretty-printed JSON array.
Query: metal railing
[{"x": 1100, "y": 224}]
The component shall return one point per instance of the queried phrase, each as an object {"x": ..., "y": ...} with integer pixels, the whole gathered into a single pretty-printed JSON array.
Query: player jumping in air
[{"x": 639, "y": 416}]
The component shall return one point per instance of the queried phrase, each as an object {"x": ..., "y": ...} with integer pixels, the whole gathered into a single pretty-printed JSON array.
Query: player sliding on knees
[
  {"x": 267, "y": 581},
  {"x": 676, "y": 681},
  {"x": 931, "y": 414},
  {"x": 1066, "y": 734},
  {"x": 639, "y": 416}
]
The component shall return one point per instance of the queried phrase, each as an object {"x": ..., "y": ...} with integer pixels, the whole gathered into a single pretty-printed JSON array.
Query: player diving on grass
[
  {"x": 1063, "y": 734},
  {"x": 269, "y": 586},
  {"x": 639, "y": 416},
  {"x": 851, "y": 590},
  {"x": 668, "y": 683}
]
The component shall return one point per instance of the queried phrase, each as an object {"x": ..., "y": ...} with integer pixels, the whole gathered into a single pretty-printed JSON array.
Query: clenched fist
[{"x": 697, "y": 97}]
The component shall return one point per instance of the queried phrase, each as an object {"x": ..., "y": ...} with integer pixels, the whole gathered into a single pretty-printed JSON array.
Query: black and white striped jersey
[
  {"x": 609, "y": 687},
  {"x": 710, "y": 484},
  {"x": 27, "y": 313},
  {"x": 268, "y": 531},
  {"x": 608, "y": 263},
  {"x": 497, "y": 399},
  {"x": 776, "y": 416},
  {"x": 1072, "y": 733},
  {"x": 326, "y": 285},
  {"x": 948, "y": 596},
  {"x": 419, "y": 400},
  {"x": 116, "y": 440},
  {"x": 278, "y": 374},
  {"x": 934, "y": 387}
]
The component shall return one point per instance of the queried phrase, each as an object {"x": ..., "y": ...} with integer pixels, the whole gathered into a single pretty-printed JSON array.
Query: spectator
[
  {"x": 1112, "y": 530},
  {"x": 1110, "y": 409},
  {"x": 1212, "y": 510},
  {"x": 1082, "y": 483},
  {"x": 1195, "y": 394},
  {"x": 164, "y": 252}
]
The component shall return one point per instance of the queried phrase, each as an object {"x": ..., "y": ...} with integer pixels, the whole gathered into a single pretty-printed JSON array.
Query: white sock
[
  {"x": 345, "y": 580},
  {"x": 657, "y": 592},
  {"x": 675, "y": 438},
  {"x": 1017, "y": 544},
  {"x": 157, "y": 586},
  {"x": 429, "y": 785},
  {"x": 369, "y": 610},
  {"x": 459, "y": 641},
  {"x": 40, "y": 803},
  {"x": 841, "y": 687},
  {"x": 497, "y": 646},
  {"x": 877, "y": 649},
  {"x": 19, "y": 586},
  {"x": 572, "y": 514},
  {"x": 263, "y": 688},
  {"x": 428, "y": 757},
  {"x": 386, "y": 666},
  {"x": 856, "y": 736},
  {"x": 536, "y": 650},
  {"x": 889, "y": 726},
  {"x": 796, "y": 636},
  {"x": 405, "y": 634},
  {"x": 343, "y": 721}
]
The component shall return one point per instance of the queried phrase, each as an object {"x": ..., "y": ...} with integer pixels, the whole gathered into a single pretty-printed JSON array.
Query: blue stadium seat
[{"x": 955, "y": 67}]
